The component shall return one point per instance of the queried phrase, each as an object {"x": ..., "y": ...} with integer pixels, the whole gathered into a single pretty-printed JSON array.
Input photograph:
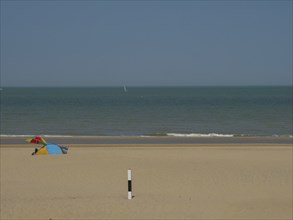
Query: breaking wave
[
  {"x": 195, "y": 135},
  {"x": 200, "y": 135}
]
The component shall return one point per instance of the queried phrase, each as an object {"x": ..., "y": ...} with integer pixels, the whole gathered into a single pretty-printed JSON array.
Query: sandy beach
[{"x": 179, "y": 181}]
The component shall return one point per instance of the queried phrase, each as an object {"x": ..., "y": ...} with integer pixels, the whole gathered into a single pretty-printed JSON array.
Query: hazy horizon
[{"x": 148, "y": 86}]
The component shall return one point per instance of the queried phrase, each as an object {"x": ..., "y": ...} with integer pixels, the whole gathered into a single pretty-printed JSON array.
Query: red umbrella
[{"x": 36, "y": 140}]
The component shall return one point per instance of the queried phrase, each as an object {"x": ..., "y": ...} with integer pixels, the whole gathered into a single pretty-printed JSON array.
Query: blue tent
[{"x": 53, "y": 149}]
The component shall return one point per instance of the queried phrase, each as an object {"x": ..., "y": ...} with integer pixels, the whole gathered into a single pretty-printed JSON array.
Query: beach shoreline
[
  {"x": 170, "y": 181},
  {"x": 151, "y": 140}
]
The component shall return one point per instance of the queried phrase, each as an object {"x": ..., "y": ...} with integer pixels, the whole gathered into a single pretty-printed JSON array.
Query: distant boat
[{"x": 125, "y": 89}]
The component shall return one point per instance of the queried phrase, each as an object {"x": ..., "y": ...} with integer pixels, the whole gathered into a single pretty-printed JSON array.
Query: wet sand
[{"x": 178, "y": 181}]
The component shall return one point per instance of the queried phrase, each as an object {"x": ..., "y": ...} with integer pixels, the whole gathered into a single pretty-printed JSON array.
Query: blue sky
[{"x": 141, "y": 43}]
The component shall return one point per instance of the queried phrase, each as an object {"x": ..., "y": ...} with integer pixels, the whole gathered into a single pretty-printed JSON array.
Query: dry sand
[{"x": 169, "y": 182}]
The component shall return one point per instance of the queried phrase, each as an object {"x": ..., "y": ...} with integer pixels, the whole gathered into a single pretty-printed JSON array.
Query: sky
[{"x": 146, "y": 43}]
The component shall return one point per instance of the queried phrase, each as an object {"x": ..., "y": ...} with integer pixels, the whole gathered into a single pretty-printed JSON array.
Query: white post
[{"x": 129, "y": 184}]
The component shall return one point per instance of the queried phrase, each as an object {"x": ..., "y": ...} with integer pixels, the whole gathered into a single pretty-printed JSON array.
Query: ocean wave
[
  {"x": 195, "y": 135},
  {"x": 32, "y": 135},
  {"x": 199, "y": 135},
  {"x": 72, "y": 136},
  {"x": 16, "y": 135},
  {"x": 211, "y": 135}
]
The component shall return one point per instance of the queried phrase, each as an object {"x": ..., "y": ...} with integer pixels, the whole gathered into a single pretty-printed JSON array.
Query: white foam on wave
[
  {"x": 199, "y": 135},
  {"x": 32, "y": 135},
  {"x": 61, "y": 136},
  {"x": 209, "y": 135},
  {"x": 57, "y": 136},
  {"x": 16, "y": 135}
]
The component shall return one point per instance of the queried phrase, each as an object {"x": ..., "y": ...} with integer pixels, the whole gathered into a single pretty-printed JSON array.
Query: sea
[{"x": 208, "y": 112}]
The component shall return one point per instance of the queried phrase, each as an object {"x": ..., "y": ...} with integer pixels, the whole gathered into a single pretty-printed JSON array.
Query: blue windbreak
[{"x": 53, "y": 149}]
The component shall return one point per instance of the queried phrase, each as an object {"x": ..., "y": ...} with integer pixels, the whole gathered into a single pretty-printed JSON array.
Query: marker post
[{"x": 129, "y": 175}]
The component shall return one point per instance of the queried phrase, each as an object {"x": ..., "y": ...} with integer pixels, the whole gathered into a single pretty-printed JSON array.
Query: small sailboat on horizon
[{"x": 125, "y": 89}]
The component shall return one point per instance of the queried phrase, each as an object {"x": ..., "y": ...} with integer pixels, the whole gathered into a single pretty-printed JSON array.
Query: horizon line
[{"x": 118, "y": 86}]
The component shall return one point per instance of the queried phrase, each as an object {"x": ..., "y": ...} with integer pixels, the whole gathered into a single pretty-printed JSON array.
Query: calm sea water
[{"x": 147, "y": 111}]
